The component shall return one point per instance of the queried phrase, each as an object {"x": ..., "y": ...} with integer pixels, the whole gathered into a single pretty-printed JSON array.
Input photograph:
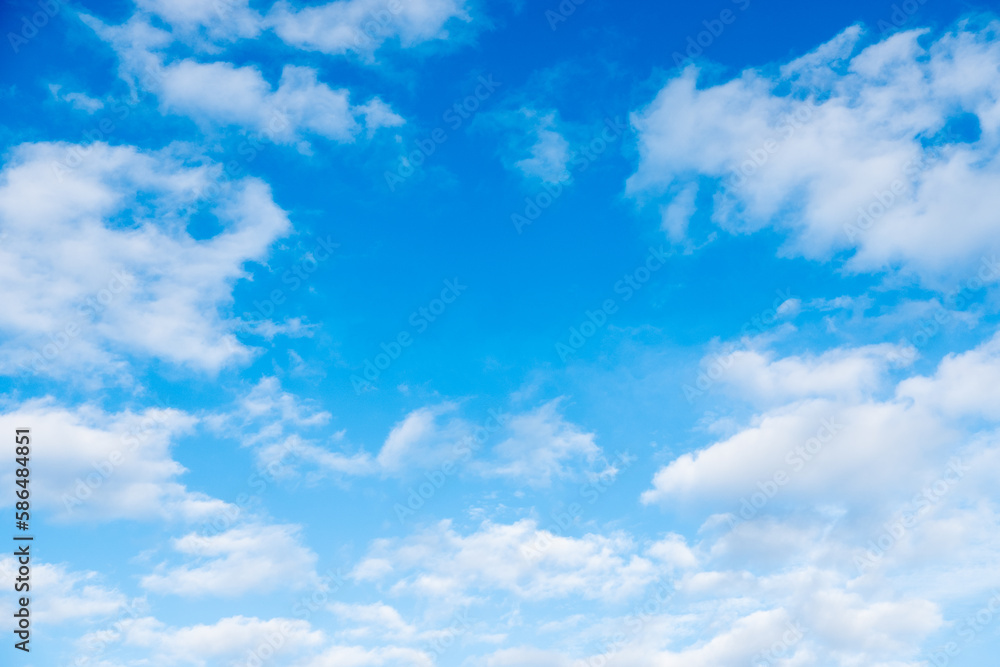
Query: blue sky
[{"x": 449, "y": 332}]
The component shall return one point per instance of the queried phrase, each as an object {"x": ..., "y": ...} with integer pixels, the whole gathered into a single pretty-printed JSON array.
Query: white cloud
[
  {"x": 379, "y": 619},
  {"x": 293, "y": 327},
  {"x": 219, "y": 20},
  {"x": 525, "y": 656},
  {"x": 362, "y": 26},
  {"x": 94, "y": 465},
  {"x": 426, "y": 438},
  {"x": 273, "y": 422},
  {"x": 220, "y": 93},
  {"x": 674, "y": 551},
  {"x": 276, "y": 424},
  {"x": 823, "y": 448},
  {"x": 964, "y": 384},
  {"x": 758, "y": 376},
  {"x": 381, "y": 625},
  {"x": 99, "y": 263},
  {"x": 62, "y": 595},
  {"x": 250, "y": 558},
  {"x": 676, "y": 215},
  {"x": 549, "y": 151},
  {"x": 383, "y": 656},
  {"x": 228, "y": 95},
  {"x": 533, "y": 142},
  {"x": 869, "y": 564},
  {"x": 517, "y": 558},
  {"x": 882, "y": 119},
  {"x": 286, "y": 432},
  {"x": 376, "y": 114},
  {"x": 267, "y": 400},
  {"x": 884, "y": 628},
  {"x": 801, "y": 616},
  {"x": 831, "y": 422},
  {"x": 542, "y": 446},
  {"x": 735, "y": 645},
  {"x": 344, "y": 26},
  {"x": 78, "y": 101},
  {"x": 226, "y": 641}
]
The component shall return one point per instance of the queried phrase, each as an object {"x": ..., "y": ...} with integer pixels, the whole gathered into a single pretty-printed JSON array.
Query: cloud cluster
[
  {"x": 340, "y": 27},
  {"x": 251, "y": 557},
  {"x": 363, "y": 26},
  {"x": 829, "y": 525},
  {"x": 93, "y": 465},
  {"x": 221, "y": 94},
  {"x": 848, "y": 520},
  {"x": 827, "y": 433},
  {"x": 537, "y": 147},
  {"x": 536, "y": 447},
  {"x": 227, "y": 641},
  {"x": 883, "y": 152},
  {"x": 518, "y": 558},
  {"x": 100, "y": 262},
  {"x": 542, "y": 446},
  {"x": 64, "y": 595}
]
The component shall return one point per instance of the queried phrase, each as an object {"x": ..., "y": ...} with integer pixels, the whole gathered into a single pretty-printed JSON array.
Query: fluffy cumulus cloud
[
  {"x": 537, "y": 147},
  {"x": 882, "y": 152},
  {"x": 525, "y": 656},
  {"x": 762, "y": 637},
  {"x": 79, "y": 101},
  {"x": 382, "y": 627},
  {"x": 536, "y": 447},
  {"x": 63, "y": 595},
  {"x": 761, "y": 376},
  {"x": 826, "y": 430},
  {"x": 378, "y": 618},
  {"x": 100, "y": 263},
  {"x": 229, "y": 641},
  {"x": 803, "y": 524},
  {"x": 842, "y": 513},
  {"x": 222, "y": 93},
  {"x": 93, "y": 465},
  {"x": 286, "y": 433},
  {"x": 291, "y": 436},
  {"x": 206, "y": 22},
  {"x": 802, "y": 616},
  {"x": 758, "y": 591},
  {"x": 381, "y": 656},
  {"x": 362, "y": 26},
  {"x": 219, "y": 93},
  {"x": 250, "y": 557},
  {"x": 518, "y": 558},
  {"x": 542, "y": 446},
  {"x": 963, "y": 385},
  {"x": 426, "y": 438}
]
